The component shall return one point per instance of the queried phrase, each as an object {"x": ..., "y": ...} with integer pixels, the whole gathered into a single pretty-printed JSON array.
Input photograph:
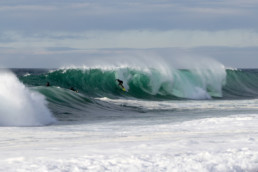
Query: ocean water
[{"x": 197, "y": 119}]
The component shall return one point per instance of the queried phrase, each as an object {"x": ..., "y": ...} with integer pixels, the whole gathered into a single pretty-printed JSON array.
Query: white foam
[
  {"x": 227, "y": 144},
  {"x": 19, "y": 106},
  {"x": 185, "y": 105},
  {"x": 26, "y": 74}
]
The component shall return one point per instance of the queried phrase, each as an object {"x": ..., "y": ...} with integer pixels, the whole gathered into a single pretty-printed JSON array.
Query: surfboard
[{"x": 123, "y": 88}]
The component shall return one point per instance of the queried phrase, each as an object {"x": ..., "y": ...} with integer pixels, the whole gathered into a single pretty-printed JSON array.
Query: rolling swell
[{"x": 67, "y": 105}]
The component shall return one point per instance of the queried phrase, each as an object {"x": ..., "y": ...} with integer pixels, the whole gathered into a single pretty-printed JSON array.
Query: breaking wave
[
  {"x": 153, "y": 83},
  {"x": 148, "y": 83},
  {"x": 19, "y": 106}
]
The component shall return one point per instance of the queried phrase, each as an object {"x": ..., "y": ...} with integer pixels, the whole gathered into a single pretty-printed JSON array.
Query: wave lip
[{"x": 19, "y": 106}]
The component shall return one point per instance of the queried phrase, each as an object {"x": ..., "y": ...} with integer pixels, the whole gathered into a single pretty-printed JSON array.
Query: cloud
[
  {"x": 138, "y": 39},
  {"x": 230, "y": 57},
  {"x": 74, "y": 16},
  {"x": 26, "y": 8},
  {"x": 58, "y": 29},
  {"x": 60, "y": 49}
]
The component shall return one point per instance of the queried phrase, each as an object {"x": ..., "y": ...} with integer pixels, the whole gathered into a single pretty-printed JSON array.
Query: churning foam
[{"x": 19, "y": 106}]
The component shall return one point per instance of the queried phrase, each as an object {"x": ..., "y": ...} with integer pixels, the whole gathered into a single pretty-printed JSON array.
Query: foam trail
[{"x": 19, "y": 106}]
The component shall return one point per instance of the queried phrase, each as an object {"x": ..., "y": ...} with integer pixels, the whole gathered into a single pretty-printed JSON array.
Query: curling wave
[
  {"x": 147, "y": 83},
  {"x": 152, "y": 83}
]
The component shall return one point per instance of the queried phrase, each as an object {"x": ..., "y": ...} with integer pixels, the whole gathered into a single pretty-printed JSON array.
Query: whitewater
[{"x": 199, "y": 118}]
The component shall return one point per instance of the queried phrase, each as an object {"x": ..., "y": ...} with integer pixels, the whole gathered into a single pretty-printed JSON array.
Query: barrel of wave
[
  {"x": 20, "y": 106},
  {"x": 198, "y": 82}
]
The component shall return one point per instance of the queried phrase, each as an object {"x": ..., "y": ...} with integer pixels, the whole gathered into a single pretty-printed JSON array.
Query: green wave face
[
  {"x": 241, "y": 84},
  {"x": 147, "y": 83}
]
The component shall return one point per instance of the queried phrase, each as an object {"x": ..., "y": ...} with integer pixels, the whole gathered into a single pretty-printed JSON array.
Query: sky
[{"x": 55, "y": 33}]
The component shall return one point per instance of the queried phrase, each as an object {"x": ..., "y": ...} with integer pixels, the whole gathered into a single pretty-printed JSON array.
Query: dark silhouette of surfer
[
  {"x": 47, "y": 84},
  {"x": 120, "y": 82},
  {"x": 74, "y": 90}
]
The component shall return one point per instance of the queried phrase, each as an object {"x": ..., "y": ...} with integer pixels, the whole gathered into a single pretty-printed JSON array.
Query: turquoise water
[{"x": 175, "y": 94}]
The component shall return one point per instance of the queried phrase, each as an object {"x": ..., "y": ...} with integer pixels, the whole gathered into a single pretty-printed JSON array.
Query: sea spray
[
  {"x": 200, "y": 83},
  {"x": 19, "y": 106}
]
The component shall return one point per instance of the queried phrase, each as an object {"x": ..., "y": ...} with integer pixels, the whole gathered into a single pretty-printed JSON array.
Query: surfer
[
  {"x": 47, "y": 84},
  {"x": 120, "y": 83},
  {"x": 74, "y": 90}
]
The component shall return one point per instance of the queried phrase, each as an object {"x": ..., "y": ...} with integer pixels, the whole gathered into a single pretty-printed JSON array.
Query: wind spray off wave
[{"x": 19, "y": 106}]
